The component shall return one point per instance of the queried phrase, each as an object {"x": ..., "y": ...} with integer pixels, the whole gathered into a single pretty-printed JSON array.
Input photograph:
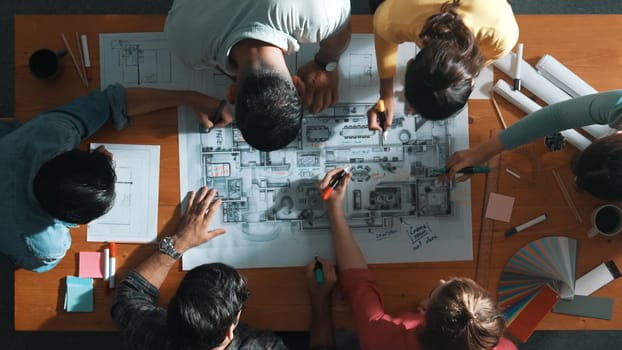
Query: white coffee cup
[{"x": 606, "y": 220}]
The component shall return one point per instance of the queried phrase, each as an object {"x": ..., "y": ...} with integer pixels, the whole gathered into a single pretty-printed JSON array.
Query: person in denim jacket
[{"x": 49, "y": 186}]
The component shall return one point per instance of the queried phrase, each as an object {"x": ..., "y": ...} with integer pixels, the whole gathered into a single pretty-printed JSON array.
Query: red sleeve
[
  {"x": 375, "y": 328},
  {"x": 505, "y": 344}
]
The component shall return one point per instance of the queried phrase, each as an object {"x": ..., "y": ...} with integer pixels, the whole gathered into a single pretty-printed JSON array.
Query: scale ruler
[{"x": 484, "y": 250}]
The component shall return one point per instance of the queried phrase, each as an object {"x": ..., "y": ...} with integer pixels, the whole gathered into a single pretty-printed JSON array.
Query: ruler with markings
[{"x": 484, "y": 250}]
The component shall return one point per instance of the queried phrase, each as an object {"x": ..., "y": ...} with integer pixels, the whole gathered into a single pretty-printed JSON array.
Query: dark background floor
[{"x": 10, "y": 340}]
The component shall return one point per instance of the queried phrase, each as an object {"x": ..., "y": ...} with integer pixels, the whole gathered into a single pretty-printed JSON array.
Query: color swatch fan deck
[{"x": 534, "y": 279}]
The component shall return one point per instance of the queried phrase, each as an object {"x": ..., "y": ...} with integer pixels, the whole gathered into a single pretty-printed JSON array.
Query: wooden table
[{"x": 586, "y": 44}]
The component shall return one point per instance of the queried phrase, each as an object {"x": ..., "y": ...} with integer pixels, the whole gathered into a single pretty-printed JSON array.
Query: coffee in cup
[
  {"x": 606, "y": 220},
  {"x": 46, "y": 64}
]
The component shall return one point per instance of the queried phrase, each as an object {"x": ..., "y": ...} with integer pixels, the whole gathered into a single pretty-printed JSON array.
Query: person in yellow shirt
[{"x": 457, "y": 39}]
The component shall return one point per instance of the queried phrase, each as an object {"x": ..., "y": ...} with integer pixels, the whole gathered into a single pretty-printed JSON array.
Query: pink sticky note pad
[
  {"x": 90, "y": 265},
  {"x": 499, "y": 207}
]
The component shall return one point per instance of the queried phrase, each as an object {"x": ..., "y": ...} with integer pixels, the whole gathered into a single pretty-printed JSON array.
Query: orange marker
[
  {"x": 334, "y": 183},
  {"x": 113, "y": 265}
]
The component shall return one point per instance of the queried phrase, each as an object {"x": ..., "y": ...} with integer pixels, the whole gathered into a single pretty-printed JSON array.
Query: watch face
[
  {"x": 331, "y": 66},
  {"x": 167, "y": 247}
]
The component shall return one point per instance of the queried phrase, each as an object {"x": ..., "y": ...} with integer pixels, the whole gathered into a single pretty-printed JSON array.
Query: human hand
[
  {"x": 336, "y": 198},
  {"x": 373, "y": 122},
  {"x": 321, "y": 291},
  {"x": 471, "y": 157},
  {"x": 423, "y": 305},
  {"x": 321, "y": 87},
  {"x": 102, "y": 149},
  {"x": 211, "y": 112},
  {"x": 460, "y": 160},
  {"x": 193, "y": 229}
]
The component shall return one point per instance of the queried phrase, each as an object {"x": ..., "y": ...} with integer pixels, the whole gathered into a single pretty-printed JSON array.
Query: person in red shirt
[{"x": 459, "y": 315}]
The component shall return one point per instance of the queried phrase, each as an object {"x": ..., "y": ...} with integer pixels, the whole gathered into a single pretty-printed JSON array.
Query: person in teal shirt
[
  {"x": 48, "y": 186},
  {"x": 598, "y": 168}
]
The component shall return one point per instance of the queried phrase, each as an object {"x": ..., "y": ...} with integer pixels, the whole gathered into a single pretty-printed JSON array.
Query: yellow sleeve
[
  {"x": 386, "y": 57},
  {"x": 492, "y": 48}
]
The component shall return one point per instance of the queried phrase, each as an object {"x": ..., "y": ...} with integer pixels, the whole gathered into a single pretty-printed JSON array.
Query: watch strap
[
  {"x": 324, "y": 65},
  {"x": 167, "y": 247}
]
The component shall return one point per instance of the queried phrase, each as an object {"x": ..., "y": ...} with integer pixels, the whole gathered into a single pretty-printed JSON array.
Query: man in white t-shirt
[{"x": 248, "y": 39}]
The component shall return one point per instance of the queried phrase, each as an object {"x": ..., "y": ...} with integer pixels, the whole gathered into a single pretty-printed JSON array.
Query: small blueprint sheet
[
  {"x": 270, "y": 204},
  {"x": 134, "y": 215}
]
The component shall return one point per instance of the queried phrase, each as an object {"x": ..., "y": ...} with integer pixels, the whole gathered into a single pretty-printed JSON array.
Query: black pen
[
  {"x": 218, "y": 114},
  {"x": 382, "y": 118}
]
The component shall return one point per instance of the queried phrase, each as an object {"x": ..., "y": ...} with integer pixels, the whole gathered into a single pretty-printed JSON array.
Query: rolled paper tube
[{"x": 523, "y": 102}]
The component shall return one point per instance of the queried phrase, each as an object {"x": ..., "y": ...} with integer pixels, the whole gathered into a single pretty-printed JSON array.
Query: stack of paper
[
  {"x": 79, "y": 295},
  {"x": 534, "y": 279}
]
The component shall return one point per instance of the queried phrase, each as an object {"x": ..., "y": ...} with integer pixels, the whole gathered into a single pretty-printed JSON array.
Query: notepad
[
  {"x": 90, "y": 265},
  {"x": 499, "y": 207},
  {"x": 79, "y": 295}
]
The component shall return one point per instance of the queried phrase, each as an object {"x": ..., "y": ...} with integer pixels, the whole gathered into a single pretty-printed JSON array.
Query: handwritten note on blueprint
[
  {"x": 270, "y": 205},
  {"x": 134, "y": 216}
]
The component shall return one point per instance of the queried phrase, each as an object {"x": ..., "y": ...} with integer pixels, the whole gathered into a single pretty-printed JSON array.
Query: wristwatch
[
  {"x": 167, "y": 247},
  {"x": 329, "y": 66}
]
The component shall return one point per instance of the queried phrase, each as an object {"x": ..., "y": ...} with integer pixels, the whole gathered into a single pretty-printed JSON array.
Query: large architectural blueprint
[{"x": 270, "y": 204}]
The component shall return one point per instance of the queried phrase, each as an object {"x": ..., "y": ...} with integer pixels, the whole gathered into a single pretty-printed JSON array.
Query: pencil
[
  {"x": 75, "y": 61},
  {"x": 83, "y": 68},
  {"x": 496, "y": 106},
  {"x": 567, "y": 197}
]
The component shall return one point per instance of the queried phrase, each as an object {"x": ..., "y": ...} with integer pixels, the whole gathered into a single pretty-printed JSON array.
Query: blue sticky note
[{"x": 79, "y": 295}]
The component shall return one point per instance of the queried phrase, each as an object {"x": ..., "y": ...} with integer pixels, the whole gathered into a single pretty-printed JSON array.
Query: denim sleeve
[
  {"x": 89, "y": 113},
  {"x": 135, "y": 311},
  {"x": 602, "y": 108},
  {"x": 45, "y": 249},
  {"x": 38, "y": 264}
]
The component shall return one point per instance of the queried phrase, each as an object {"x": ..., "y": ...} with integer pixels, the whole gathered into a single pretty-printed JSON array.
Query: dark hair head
[
  {"x": 439, "y": 81},
  {"x": 76, "y": 186},
  {"x": 461, "y": 315},
  {"x": 268, "y": 111},
  {"x": 206, "y": 304},
  {"x": 599, "y": 168}
]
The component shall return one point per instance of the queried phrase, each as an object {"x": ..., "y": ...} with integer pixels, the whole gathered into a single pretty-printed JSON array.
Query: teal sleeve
[{"x": 601, "y": 108}]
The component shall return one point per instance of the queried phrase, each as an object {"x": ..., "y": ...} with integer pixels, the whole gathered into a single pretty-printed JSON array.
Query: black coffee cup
[
  {"x": 606, "y": 220},
  {"x": 46, "y": 64}
]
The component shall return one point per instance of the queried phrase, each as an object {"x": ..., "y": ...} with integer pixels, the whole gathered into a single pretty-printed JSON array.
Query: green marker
[
  {"x": 319, "y": 274},
  {"x": 467, "y": 170}
]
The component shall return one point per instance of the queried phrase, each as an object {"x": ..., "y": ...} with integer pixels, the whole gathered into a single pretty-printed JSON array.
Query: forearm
[
  {"x": 321, "y": 334},
  {"x": 570, "y": 114},
  {"x": 332, "y": 47},
  {"x": 386, "y": 88},
  {"x": 386, "y": 58},
  {"x": 145, "y": 100},
  {"x": 489, "y": 149},
  {"x": 155, "y": 268},
  {"x": 348, "y": 253}
]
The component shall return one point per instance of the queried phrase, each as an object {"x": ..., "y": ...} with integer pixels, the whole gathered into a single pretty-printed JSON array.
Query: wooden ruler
[{"x": 484, "y": 250}]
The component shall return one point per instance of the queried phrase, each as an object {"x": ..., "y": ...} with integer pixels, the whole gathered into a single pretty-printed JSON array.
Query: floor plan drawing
[
  {"x": 271, "y": 207},
  {"x": 133, "y": 216}
]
